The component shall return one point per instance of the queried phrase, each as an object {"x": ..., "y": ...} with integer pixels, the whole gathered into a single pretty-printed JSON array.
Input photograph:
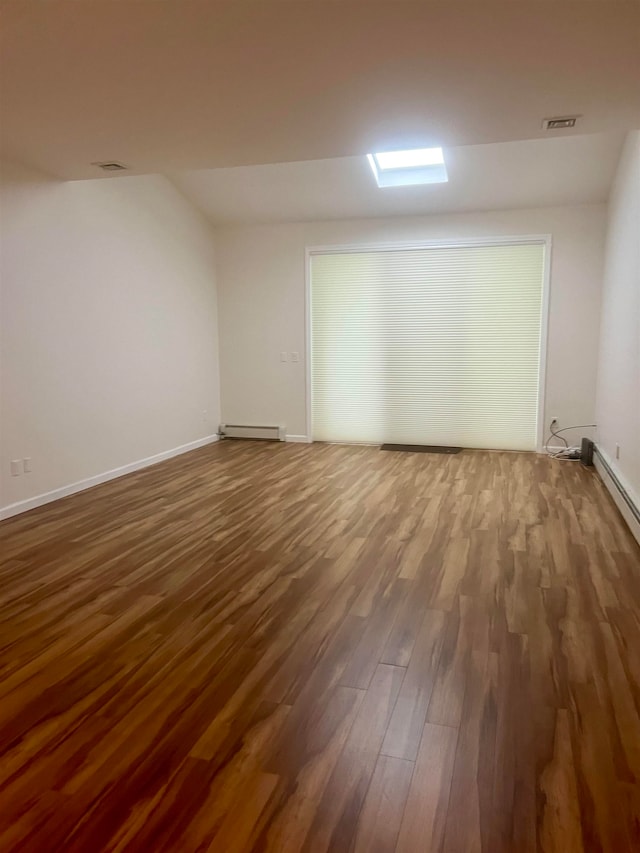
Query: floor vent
[
  {"x": 421, "y": 448},
  {"x": 266, "y": 433}
]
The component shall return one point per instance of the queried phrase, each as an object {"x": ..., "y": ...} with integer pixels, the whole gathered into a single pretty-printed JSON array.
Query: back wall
[{"x": 261, "y": 295}]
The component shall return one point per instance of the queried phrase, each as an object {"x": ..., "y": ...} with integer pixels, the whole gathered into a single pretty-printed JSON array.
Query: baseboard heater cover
[
  {"x": 628, "y": 507},
  {"x": 266, "y": 433}
]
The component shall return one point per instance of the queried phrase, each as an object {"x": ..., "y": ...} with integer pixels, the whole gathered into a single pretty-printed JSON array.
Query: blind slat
[{"x": 428, "y": 346}]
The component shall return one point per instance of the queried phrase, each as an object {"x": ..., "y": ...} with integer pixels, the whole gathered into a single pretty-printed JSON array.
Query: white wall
[
  {"x": 261, "y": 294},
  {"x": 618, "y": 402},
  {"x": 108, "y": 327}
]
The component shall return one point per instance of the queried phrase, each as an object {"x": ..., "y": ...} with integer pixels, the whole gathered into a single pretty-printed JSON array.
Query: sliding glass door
[{"x": 435, "y": 345}]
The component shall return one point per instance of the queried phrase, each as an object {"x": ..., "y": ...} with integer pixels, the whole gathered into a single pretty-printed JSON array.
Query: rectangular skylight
[
  {"x": 406, "y": 168},
  {"x": 409, "y": 159}
]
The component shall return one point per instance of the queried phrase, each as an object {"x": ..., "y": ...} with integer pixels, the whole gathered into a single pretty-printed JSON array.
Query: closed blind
[{"x": 428, "y": 346}]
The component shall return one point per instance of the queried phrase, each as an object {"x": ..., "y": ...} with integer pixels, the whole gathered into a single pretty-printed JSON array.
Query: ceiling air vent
[
  {"x": 111, "y": 166},
  {"x": 560, "y": 122}
]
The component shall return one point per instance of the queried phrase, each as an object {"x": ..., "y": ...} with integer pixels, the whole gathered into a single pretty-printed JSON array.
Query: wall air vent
[
  {"x": 560, "y": 122},
  {"x": 110, "y": 166}
]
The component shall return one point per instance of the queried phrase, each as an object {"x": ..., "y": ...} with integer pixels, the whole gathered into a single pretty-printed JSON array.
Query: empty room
[{"x": 320, "y": 426}]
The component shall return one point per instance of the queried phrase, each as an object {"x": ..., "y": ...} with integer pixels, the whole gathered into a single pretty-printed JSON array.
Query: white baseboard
[
  {"x": 81, "y": 485},
  {"x": 300, "y": 439},
  {"x": 629, "y": 516}
]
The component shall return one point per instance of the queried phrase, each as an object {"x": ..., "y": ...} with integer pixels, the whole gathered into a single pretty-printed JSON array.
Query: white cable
[
  {"x": 577, "y": 426},
  {"x": 563, "y": 452}
]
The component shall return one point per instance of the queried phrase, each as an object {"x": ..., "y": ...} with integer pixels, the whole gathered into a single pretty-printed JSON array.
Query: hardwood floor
[{"x": 269, "y": 647}]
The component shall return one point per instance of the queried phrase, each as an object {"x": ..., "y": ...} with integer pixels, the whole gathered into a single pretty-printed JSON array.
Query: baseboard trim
[
  {"x": 81, "y": 485},
  {"x": 300, "y": 439},
  {"x": 629, "y": 510}
]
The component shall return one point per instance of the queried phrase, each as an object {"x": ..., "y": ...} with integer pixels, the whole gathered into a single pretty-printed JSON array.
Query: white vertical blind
[{"x": 428, "y": 345}]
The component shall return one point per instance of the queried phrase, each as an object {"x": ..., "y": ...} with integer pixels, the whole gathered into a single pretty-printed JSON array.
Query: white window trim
[{"x": 539, "y": 239}]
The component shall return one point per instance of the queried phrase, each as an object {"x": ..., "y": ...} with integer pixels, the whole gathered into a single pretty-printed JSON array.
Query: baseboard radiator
[
  {"x": 266, "y": 433},
  {"x": 623, "y": 500}
]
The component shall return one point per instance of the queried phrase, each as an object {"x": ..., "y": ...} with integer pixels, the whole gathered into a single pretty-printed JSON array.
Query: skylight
[
  {"x": 409, "y": 159},
  {"x": 405, "y": 168}
]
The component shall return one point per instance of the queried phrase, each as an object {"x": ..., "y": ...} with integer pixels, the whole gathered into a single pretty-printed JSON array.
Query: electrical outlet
[
  {"x": 283, "y": 356},
  {"x": 26, "y": 464},
  {"x": 295, "y": 357},
  {"x": 16, "y": 467}
]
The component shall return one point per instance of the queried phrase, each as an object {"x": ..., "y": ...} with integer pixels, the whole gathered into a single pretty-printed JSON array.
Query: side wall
[
  {"x": 261, "y": 287},
  {"x": 618, "y": 401},
  {"x": 108, "y": 331}
]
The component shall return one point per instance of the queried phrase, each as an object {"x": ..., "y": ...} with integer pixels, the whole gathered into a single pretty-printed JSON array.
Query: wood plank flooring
[{"x": 280, "y": 647}]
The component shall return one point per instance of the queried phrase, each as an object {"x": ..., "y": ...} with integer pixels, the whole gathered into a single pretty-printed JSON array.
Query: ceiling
[
  {"x": 180, "y": 85},
  {"x": 532, "y": 173}
]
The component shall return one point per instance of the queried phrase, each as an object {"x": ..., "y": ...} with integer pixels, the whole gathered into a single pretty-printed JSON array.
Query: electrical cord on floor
[{"x": 567, "y": 453}]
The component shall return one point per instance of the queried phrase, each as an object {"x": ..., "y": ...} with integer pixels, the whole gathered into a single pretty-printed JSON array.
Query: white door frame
[{"x": 525, "y": 239}]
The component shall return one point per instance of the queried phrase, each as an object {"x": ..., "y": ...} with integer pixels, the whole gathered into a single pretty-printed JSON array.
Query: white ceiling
[
  {"x": 175, "y": 85},
  {"x": 534, "y": 173}
]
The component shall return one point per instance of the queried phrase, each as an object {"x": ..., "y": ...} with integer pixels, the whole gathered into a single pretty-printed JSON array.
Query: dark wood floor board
[
  {"x": 154, "y": 716},
  {"x": 626, "y": 580},
  {"x": 617, "y": 697},
  {"x": 472, "y": 784},
  {"x": 336, "y": 819},
  {"x": 425, "y": 814},
  {"x": 376, "y": 628},
  {"x": 194, "y": 806},
  {"x": 560, "y": 822},
  {"x": 376, "y": 572},
  {"x": 277, "y": 647},
  {"x": 625, "y": 625},
  {"x": 447, "y": 697},
  {"x": 604, "y": 824},
  {"x": 405, "y": 629},
  {"x": 405, "y": 727},
  {"x": 311, "y": 656},
  {"x": 518, "y": 741},
  {"x": 383, "y": 808},
  {"x": 304, "y": 756}
]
